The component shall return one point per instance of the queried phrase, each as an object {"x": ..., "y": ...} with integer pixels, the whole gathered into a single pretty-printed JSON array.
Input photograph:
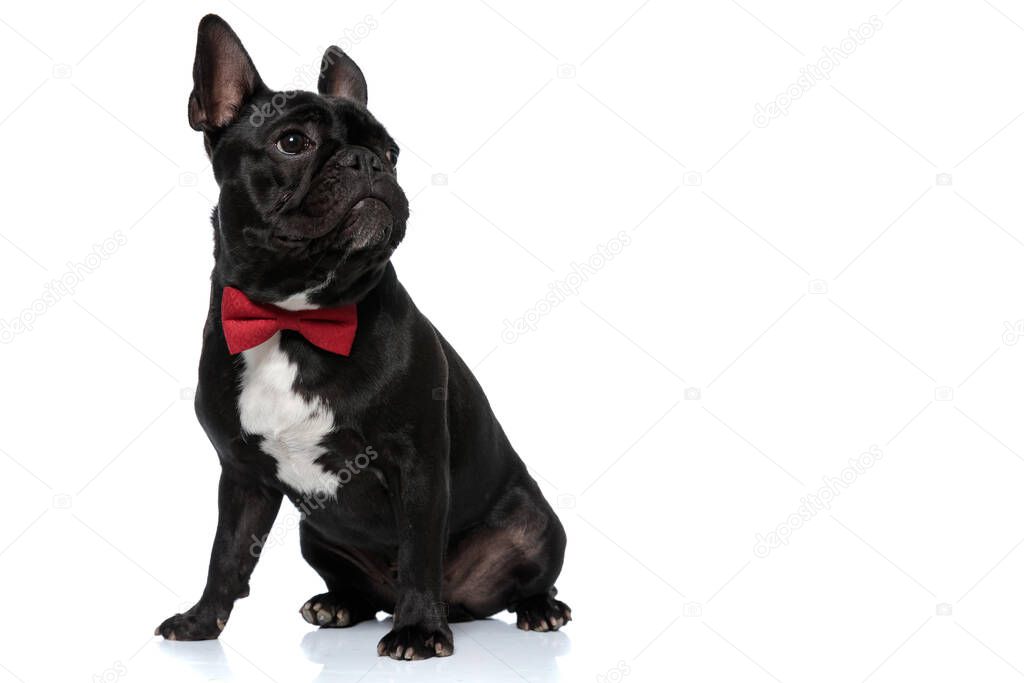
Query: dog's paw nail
[{"x": 221, "y": 624}]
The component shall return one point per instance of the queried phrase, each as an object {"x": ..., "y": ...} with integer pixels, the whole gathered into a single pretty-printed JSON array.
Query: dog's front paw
[
  {"x": 417, "y": 642},
  {"x": 194, "y": 624}
]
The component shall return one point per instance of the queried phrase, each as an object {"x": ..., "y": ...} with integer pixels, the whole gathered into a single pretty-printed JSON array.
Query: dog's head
[{"x": 309, "y": 201}]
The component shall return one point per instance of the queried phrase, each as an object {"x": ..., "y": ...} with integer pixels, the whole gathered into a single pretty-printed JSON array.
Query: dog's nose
[{"x": 361, "y": 159}]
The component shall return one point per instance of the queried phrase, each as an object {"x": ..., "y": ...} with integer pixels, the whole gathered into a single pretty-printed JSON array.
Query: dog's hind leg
[
  {"x": 356, "y": 584},
  {"x": 510, "y": 563}
]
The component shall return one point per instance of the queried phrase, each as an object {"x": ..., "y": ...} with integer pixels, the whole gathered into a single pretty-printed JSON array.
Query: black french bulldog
[{"x": 321, "y": 381}]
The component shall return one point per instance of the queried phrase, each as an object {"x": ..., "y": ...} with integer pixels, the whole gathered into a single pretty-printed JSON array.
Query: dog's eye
[
  {"x": 392, "y": 155},
  {"x": 293, "y": 143}
]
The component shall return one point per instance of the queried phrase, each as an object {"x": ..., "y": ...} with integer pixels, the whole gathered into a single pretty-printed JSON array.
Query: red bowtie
[{"x": 248, "y": 324}]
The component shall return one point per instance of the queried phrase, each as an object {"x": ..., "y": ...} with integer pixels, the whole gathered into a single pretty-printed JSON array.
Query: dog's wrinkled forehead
[
  {"x": 336, "y": 118},
  {"x": 330, "y": 121}
]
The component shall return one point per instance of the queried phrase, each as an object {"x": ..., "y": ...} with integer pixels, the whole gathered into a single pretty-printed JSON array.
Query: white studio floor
[{"x": 614, "y": 630}]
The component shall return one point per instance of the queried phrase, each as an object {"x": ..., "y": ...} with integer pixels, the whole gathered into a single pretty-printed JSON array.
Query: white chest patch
[{"x": 291, "y": 426}]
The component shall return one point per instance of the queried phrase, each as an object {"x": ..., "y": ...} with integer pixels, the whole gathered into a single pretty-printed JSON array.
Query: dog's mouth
[
  {"x": 368, "y": 223},
  {"x": 288, "y": 241}
]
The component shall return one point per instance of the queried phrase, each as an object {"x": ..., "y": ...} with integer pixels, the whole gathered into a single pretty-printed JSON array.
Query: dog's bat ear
[
  {"x": 341, "y": 77},
  {"x": 223, "y": 76}
]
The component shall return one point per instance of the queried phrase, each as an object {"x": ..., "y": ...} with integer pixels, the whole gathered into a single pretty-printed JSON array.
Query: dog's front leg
[
  {"x": 246, "y": 513},
  {"x": 421, "y": 500}
]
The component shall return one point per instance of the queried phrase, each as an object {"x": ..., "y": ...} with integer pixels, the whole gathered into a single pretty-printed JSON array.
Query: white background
[{"x": 791, "y": 296}]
